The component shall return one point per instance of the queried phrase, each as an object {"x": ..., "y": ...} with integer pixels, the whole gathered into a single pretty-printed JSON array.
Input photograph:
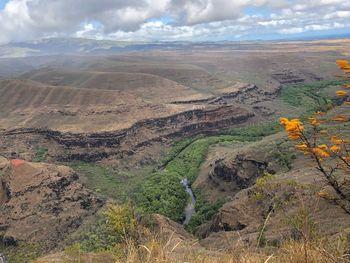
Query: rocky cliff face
[
  {"x": 97, "y": 146},
  {"x": 223, "y": 176},
  {"x": 249, "y": 94},
  {"x": 241, "y": 171},
  {"x": 288, "y": 77},
  {"x": 41, "y": 202}
]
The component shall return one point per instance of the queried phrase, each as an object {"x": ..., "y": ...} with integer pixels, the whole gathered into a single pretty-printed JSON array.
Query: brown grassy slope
[
  {"x": 27, "y": 103},
  {"x": 17, "y": 94},
  {"x": 150, "y": 87}
]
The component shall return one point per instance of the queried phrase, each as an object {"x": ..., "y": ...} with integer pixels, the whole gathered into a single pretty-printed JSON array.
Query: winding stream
[
  {"x": 2, "y": 259},
  {"x": 190, "y": 207}
]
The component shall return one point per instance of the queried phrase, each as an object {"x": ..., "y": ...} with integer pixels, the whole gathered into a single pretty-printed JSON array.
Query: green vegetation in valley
[
  {"x": 254, "y": 132},
  {"x": 163, "y": 193},
  {"x": 177, "y": 148},
  {"x": 24, "y": 252},
  {"x": 104, "y": 180},
  {"x": 310, "y": 97},
  {"x": 40, "y": 155},
  {"x": 100, "y": 178},
  {"x": 160, "y": 191}
]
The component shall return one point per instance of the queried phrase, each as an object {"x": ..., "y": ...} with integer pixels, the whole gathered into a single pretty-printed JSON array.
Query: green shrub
[
  {"x": 285, "y": 158},
  {"x": 73, "y": 253},
  {"x": 303, "y": 225},
  {"x": 113, "y": 226},
  {"x": 122, "y": 220},
  {"x": 40, "y": 155},
  {"x": 265, "y": 187},
  {"x": 24, "y": 252},
  {"x": 204, "y": 212}
]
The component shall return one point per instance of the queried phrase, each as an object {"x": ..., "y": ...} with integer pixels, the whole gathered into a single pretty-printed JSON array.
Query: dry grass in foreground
[
  {"x": 293, "y": 252},
  {"x": 157, "y": 252}
]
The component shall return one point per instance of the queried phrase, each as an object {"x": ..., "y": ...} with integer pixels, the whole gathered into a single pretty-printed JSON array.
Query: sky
[{"x": 172, "y": 20}]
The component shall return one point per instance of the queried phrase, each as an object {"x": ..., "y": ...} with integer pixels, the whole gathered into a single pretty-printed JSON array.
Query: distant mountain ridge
[
  {"x": 55, "y": 46},
  {"x": 81, "y": 46}
]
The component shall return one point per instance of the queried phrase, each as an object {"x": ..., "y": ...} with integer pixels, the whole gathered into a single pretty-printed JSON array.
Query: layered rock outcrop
[
  {"x": 119, "y": 143},
  {"x": 241, "y": 171},
  {"x": 223, "y": 177}
]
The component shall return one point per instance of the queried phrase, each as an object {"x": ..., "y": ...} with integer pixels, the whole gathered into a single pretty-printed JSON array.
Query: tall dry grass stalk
[{"x": 289, "y": 252}]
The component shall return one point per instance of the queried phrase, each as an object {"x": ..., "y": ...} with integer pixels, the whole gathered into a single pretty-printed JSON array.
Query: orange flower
[
  {"x": 342, "y": 63},
  {"x": 294, "y": 136},
  {"x": 284, "y": 121},
  {"x": 335, "y": 149},
  {"x": 314, "y": 121},
  {"x": 296, "y": 121},
  {"x": 341, "y": 118},
  {"x": 293, "y": 127},
  {"x": 335, "y": 140},
  {"x": 301, "y": 147},
  {"x": 341, "y": 93},
  {"x": 323, "y": 147},
  {"x": 347, "y": 86},
  {"x": 321, "y": 153}
]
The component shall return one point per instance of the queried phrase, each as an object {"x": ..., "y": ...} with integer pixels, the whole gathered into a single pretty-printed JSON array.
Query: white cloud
[
  {"x": 191, "y": 19},
  {"x": 292, "y": 30}
]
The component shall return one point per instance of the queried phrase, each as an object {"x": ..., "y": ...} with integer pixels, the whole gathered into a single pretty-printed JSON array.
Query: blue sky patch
[{"x": 2, "y": 4}]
